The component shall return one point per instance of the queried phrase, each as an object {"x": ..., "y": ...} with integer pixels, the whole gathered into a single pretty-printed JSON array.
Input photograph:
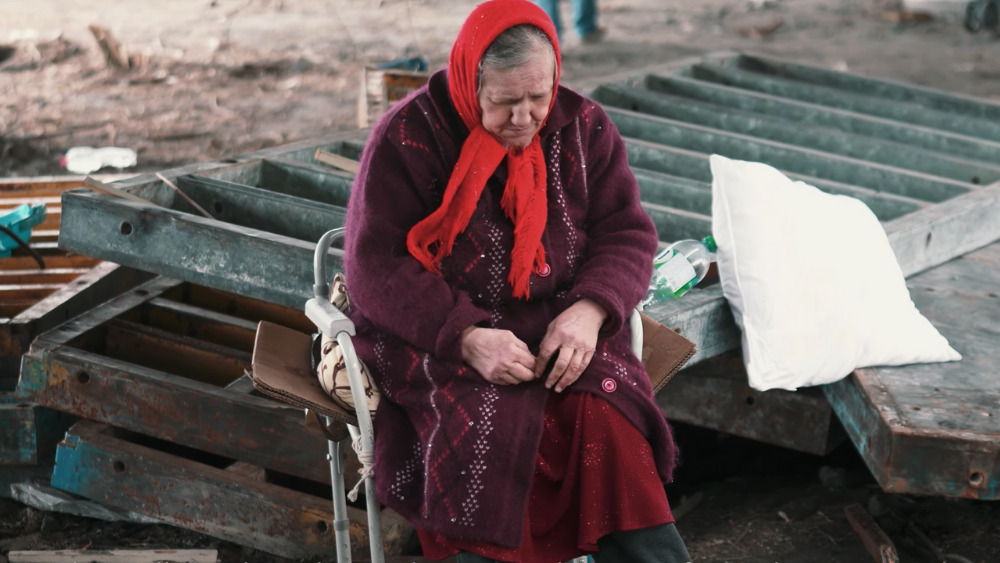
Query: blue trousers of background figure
[{"x": 584, "y": 15}]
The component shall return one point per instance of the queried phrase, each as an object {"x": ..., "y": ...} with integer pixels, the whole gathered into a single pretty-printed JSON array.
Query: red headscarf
[{"x": 524, "y": 200}]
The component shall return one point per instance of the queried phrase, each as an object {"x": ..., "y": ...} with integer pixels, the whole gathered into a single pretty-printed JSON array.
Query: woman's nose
[{"x": 521, "y": 115}]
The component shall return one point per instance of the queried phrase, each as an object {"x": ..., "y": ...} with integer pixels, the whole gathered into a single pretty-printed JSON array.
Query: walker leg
[
  {"x": 373, "y": 508},
  {"x": 341, "y": 523}
]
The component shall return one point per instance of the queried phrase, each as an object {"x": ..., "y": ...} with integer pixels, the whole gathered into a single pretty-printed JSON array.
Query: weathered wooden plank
[
  {"x": 115, "y": 556},
  {"x": 48, "y": 275},
  {"x": 42, "y": 186},
  {"x": 64, "y": 261},
  {"x": 27, "y": 291},
  {"x": 10, "y": 200},
  {"x": 878, "y": 544}
]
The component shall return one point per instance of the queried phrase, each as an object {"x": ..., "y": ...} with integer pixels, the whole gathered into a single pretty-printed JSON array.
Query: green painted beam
[
  {"x": 309, "y": 181},
  {"x": 833, "y": 97},
  {"x": 677, "y": 224},
  {"x": 240, "y": 260},
  {"x": 666, "y": 132},
  {"x": 674, "y": 191},
  {"x": 811, "y": 114},
  {"x": 950, "y": 102},
  {"x": 648, "y": 160},
  {"x": 790, "y": 132},
  {"x": 261, "y": 209}
]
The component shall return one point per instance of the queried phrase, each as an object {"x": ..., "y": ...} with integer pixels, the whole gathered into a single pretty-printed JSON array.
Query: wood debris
[{"x": 116, "y": 556}]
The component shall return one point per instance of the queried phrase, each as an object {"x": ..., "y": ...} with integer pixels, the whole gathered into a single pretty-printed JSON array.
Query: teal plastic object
[{"x": 20, "y": 221}]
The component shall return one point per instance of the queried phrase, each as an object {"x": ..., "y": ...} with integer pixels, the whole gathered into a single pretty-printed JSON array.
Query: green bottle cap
[{"x": 709, "y": 242}]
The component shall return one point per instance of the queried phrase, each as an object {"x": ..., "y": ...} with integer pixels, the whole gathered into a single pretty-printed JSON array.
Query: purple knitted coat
[{"x": 455, "y": 455}]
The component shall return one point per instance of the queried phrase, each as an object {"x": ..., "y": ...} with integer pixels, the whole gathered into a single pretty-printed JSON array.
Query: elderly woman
[{"x": 495, "y": 248}]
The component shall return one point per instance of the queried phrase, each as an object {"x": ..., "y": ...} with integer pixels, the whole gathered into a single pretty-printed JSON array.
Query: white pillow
[{"x": 812, "y": 281}]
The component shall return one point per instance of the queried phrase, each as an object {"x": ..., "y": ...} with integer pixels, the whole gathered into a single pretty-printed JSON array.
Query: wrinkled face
[{"x": 516, "y": 100}]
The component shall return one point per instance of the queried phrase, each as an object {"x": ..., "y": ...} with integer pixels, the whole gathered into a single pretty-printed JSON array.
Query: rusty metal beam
[
  {"x": 878, "y": 544},
  {"x": 715, "y": 394},
  {"x": 92, "y": 462},
  {"x": 62, "y": 373}
]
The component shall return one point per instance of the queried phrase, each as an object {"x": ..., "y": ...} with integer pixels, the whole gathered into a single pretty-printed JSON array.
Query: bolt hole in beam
[
  {"x": 751, "y": 401},
  {"x": 217, "y": 207},
  {"x": 976, "y": 478},
  {"x": 322, "y": 526},
  {"x": 126, "y": 228},
  {"x": 119, "y": 466},
  {"x": 83, "y": 377}
]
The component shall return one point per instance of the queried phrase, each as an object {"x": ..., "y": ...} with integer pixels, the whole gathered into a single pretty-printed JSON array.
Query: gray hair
[{"x": 514, "y": 47}]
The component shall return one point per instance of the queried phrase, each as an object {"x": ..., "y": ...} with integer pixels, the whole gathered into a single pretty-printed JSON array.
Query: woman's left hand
[{"x": 570, "y": 339}]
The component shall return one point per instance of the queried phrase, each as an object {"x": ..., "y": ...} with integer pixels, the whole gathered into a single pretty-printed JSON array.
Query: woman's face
[{"x": 516, "y": 100}]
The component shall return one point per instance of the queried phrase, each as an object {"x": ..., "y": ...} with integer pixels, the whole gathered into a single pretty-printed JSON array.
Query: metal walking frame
[{"x": 331, "y": 322}]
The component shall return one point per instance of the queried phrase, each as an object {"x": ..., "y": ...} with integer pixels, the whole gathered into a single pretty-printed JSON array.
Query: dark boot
[{"x": 659, "y": 544}]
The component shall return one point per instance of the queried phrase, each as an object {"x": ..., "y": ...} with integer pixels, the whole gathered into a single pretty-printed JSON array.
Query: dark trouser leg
[
  {"x": 466, "y": 557},
  {"x": 658, "y": 544}
]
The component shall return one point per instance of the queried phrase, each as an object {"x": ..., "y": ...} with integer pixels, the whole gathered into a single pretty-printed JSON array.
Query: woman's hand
[
  {"x": 499, "y": 356},
  {"x": 570, "y": 339}
]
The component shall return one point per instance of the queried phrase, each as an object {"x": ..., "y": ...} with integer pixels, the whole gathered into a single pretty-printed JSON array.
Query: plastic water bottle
[{"x": 678, "y": 268}]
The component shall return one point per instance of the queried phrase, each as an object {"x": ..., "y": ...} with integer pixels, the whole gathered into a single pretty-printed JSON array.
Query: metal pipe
[{"x": 341, "y": 522}]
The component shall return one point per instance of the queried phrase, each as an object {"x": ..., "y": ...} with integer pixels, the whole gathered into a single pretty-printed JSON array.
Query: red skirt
[{"x": 594, "y": 474}]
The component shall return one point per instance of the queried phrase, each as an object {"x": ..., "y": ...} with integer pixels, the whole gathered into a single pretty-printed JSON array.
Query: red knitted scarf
[{"x": 524, "y": 200}]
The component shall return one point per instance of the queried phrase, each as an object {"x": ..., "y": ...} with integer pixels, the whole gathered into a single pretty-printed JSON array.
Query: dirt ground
[{"x": 211, "y": 79}]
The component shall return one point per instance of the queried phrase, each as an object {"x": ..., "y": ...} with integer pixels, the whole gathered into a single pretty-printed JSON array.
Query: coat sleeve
[
  {"x": 622, "y": 239},
  {"x": 401, "y": 176}
]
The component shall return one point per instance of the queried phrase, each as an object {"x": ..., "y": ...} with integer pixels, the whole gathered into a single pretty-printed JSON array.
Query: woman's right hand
[{"x": 499, "y": 356}]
